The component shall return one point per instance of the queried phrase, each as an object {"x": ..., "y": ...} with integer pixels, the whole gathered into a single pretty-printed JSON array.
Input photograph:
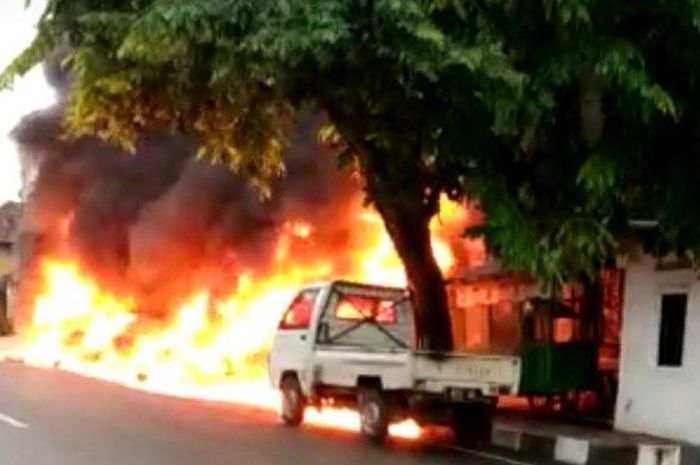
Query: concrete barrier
[{"x": 546, "y": 445}]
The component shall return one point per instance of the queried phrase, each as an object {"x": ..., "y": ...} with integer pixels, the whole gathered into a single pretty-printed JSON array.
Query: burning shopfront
[{"x": 568, "y": 340}]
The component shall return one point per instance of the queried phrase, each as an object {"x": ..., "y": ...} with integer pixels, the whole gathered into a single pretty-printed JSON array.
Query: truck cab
[{"x": 293, "y": 343}]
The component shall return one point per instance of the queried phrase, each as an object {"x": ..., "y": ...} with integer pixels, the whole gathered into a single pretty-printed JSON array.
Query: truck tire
[
  {"x": 293, "y": 402},
  {"x": 374, "y": 414},
  {"x": 472, "y": 424}
]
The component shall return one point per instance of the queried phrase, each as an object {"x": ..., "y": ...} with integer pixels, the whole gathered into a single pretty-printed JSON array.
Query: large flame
[{"x": 211, "y": 347}]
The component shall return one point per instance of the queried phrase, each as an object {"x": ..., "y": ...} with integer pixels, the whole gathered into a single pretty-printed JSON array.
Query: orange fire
[{"x": 211, "y": 347}]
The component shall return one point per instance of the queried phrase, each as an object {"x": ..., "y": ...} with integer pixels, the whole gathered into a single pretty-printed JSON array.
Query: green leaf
[{"x": 34, "y": 54}]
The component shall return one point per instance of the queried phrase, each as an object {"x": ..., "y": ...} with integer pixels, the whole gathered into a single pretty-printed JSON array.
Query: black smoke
[{"x": 160, "y": 224}]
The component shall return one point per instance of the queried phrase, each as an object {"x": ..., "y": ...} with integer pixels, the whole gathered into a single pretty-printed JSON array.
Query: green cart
[
  {"x": 506, "y": 314},
  {"x": 559, "y": 356}
]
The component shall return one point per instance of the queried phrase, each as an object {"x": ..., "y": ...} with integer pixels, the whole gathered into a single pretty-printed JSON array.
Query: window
[
  {"x": 672, "y": 330},
  {"x": 298, "y": 315},
  {"x": 352, "y": 307}
]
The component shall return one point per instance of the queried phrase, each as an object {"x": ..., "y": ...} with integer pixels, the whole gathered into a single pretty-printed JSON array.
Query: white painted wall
[{"x": 662, "y": 401}]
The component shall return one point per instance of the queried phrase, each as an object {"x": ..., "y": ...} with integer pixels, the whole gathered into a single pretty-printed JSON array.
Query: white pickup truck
[{"x": 354, "y": 343}]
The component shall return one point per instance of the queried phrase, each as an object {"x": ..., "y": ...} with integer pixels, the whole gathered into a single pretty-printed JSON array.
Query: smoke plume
[{"x": 160, "y": 224}]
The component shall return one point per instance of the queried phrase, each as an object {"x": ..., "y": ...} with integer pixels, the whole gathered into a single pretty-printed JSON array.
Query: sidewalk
[{"x": 547, "y": 441}]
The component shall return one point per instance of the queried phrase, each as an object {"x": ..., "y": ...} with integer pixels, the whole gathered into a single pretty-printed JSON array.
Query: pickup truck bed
[{"x": 484, "y": 374}]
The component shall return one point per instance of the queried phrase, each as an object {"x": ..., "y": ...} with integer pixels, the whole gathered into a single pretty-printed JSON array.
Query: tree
[
  {"x": 607, "y": 149},
  {"x": 561, "y": 118}
]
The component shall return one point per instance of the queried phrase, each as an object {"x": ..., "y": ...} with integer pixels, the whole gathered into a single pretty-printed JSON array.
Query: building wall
[
  {"x": 6, "y": 267},
  {"x": 5, "y": 259},
  {"x": 663, "y": 401}
]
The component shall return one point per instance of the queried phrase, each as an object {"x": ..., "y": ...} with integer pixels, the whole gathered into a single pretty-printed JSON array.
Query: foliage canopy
[{"x": 563, "y": 119}]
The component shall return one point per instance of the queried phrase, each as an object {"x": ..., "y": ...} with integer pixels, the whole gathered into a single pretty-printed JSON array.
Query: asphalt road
[{"x": 50, "y": 417}]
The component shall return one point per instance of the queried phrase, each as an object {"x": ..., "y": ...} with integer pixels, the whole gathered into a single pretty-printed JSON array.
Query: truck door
[
  {"x": 363, "y": 331},
  {"x": 291, "y": 350}
]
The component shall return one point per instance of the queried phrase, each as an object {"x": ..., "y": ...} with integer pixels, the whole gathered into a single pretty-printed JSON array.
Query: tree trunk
[
  {"x": 411, "y": 237},
  {"x": 398, "y": 184}
]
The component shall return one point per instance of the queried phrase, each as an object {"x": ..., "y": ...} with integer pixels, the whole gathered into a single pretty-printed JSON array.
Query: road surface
[{"x": 50, "y": 417}]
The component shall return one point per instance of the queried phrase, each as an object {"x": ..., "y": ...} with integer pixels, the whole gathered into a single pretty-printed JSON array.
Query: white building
[{"x": 660, "y": 365}]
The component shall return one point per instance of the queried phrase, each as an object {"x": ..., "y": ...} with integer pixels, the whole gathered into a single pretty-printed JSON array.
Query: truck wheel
[
  {"x": 472, "y": 424},
  {"x": 293, "y": 402},
  {"x": 374, "y": 415}
]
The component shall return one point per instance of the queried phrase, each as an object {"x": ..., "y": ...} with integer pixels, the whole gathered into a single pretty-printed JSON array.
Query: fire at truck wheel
[
  {"x": 374, "y": 414},
  {"x": 293, "y": 402}
]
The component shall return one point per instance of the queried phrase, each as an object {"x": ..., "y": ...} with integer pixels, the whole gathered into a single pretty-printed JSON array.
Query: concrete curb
[{"x": 547, "y": 447}]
